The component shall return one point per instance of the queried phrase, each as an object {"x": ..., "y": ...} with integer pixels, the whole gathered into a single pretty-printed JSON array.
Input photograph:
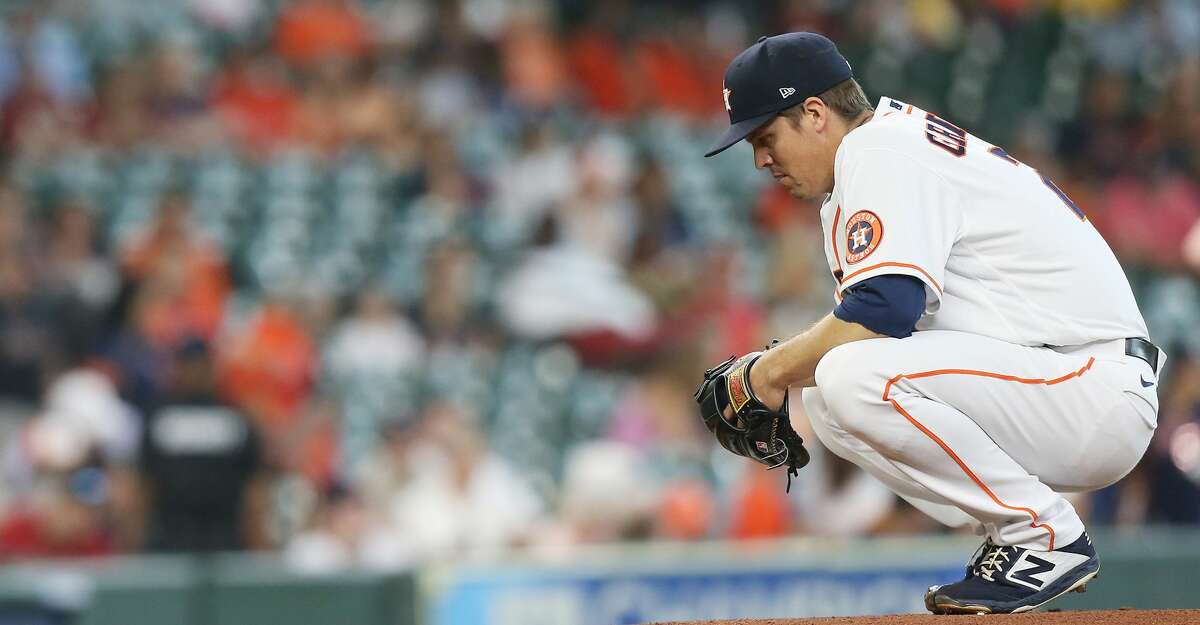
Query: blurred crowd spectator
[{"x": 377, "y": 282}]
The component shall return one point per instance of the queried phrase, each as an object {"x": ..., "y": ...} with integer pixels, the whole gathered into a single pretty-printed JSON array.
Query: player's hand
[
  {"x": 742, "y": 422},
  {"x": 772, "y": 397}
]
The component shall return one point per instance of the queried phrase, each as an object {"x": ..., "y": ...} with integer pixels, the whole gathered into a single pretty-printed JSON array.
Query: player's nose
[{"x": 762, "y": 158}]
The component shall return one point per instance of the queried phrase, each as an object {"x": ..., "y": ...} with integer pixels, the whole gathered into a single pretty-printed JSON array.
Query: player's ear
[{"x": 816, "y": 113}]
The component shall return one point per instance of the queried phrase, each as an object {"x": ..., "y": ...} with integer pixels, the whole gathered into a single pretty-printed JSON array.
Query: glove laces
[{"x": 784, "y": 455}]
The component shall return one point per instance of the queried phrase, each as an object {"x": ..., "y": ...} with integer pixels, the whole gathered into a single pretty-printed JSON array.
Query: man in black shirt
[{"x": 200, "y": 457}]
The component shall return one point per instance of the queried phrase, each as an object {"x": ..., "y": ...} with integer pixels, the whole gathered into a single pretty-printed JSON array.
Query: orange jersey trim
[
  {"x": 950, "y": 452},
  {"x": 891, "y": 264},
  {"x": 837, "y": 258}
]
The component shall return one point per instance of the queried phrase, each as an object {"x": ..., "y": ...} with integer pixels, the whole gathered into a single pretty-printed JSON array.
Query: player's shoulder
[{"x": 895, "y": 126}]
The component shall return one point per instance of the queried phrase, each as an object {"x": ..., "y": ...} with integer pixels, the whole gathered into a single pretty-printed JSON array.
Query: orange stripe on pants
[{"x": 950, "y": 452}]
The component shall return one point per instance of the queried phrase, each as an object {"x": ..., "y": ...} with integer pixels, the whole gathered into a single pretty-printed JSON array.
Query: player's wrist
[{"x": 764, "y": 381}]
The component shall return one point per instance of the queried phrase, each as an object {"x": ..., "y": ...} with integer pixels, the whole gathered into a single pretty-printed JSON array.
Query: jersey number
[
  {"x": 953, "y": 139},
  {"x": 1000, "y": 153}
]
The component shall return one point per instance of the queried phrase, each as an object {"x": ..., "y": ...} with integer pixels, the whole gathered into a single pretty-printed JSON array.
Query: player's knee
[
  {"x": 841, "y": 378},
  {"x": 852, "y": 367},
  {"x": 851, "y": 382},
  {"x": 833, "y": 370},
  {"x": 823, "y": 424}
]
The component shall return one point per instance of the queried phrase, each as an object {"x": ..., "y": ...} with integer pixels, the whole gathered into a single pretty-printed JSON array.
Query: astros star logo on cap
[{"x": 807, "y": 64}]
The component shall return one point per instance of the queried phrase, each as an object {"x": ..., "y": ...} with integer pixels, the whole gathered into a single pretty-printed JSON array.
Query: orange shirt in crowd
[
  {"x": 192, "y": 282},
  {"x": 685, "y": 510},
  {"x": 598, "y": 65},
  {"x": 760, "y": 508},
  {"x": 257, "y": 105},
  {"x": 533, "y": 65},
  {"x": 309, "y": 30},
  {"x": 673, "y": 81},
  {"x": 270, "y": 366}
]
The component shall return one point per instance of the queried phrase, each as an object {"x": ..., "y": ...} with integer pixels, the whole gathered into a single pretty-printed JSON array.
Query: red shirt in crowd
[{"x": 23, "y": 535}]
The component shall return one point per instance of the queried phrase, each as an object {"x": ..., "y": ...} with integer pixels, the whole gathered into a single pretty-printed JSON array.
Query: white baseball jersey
[
  {"x": 1002, "y": 251},
  {"x": 1018, "y": 389}
]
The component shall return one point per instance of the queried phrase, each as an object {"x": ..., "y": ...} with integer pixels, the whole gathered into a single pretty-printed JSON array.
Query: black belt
[{"x": 1141, "y": 348}]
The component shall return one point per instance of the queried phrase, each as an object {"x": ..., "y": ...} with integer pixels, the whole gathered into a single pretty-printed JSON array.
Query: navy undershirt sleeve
[{"x": 889, "y": 304}]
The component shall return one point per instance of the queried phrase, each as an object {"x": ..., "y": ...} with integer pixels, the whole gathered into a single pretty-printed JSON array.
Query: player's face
[{"x": 797, "y": 153}]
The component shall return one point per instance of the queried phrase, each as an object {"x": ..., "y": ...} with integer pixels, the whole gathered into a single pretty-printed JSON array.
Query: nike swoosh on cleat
[{"x": 1145, "y": 384}]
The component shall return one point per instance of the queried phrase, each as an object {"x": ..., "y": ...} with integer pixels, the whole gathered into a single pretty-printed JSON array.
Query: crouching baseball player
[{"x": 985, "y": 354}]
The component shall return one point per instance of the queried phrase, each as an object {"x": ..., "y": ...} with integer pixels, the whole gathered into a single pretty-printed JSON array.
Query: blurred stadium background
[{"x": 390, "y": 311}]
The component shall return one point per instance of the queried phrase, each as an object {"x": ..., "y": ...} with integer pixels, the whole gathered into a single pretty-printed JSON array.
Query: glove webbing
[{"x": 791, "y": 470}]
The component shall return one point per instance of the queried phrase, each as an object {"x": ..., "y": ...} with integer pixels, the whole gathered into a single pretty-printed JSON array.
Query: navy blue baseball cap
[{"x": 774, "y": 74}]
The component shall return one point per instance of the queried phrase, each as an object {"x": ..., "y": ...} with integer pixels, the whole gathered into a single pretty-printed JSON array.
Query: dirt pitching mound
[{"x": 1105, "y": 617}]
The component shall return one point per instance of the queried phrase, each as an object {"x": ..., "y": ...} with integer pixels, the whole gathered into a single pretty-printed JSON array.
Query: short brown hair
[{"x": 846, "y": 99}]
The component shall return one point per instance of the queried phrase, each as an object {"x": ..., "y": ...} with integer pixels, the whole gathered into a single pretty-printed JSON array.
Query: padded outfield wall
[{"x": 610, "y": 585}]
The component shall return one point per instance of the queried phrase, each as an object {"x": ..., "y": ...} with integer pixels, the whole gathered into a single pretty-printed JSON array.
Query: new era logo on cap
[{"x": 786, "y": 91}]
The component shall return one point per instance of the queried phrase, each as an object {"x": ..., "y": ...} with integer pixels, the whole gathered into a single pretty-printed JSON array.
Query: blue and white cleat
[{"x": 1005, "y": 580}]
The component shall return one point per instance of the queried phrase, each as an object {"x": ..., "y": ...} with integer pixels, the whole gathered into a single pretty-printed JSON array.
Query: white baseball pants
[{"x": 979, "y": 432}]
